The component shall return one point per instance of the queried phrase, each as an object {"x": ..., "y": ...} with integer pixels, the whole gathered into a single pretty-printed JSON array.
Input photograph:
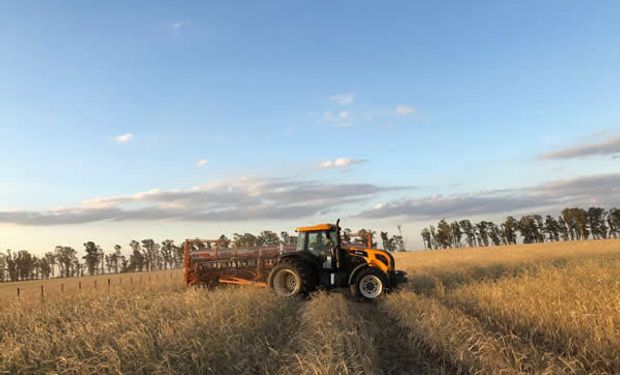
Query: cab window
[{"x": 316, "y": 243}]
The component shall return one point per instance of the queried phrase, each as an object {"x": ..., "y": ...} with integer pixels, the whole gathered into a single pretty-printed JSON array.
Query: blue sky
[{"x": 382, "y": 114}]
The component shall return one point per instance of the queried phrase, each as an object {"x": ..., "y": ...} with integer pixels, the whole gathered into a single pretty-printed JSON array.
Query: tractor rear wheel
[
  {"x": 292, "y": 278},
  {"x": 368, "y": 285}
]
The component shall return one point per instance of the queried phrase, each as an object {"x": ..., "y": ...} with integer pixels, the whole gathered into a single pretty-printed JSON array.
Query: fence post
[
  {"x": 130, "y": 280},
  {"x": 108, "y": 285},
  {"x": 62, "y": 288},
  {"x": 80, "y": 286},
  {"x": 42, "y": 297},
  {"x": 18, "y": 293},
  {"x": 95, "y": 284}
]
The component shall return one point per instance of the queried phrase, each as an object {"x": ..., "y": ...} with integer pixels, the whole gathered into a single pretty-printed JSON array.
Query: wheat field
[{"x": 542, "y": 309}]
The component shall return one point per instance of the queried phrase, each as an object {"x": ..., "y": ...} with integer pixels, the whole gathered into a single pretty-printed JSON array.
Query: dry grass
[
  {"x": 53, "y": 288},
  {"x": 552, "y": 308}
]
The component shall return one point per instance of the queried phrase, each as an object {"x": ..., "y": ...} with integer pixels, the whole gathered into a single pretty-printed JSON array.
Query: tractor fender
[{"x": 359, "y": 268}]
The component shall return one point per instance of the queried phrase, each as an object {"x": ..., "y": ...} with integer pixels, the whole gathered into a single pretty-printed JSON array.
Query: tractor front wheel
[{"x": 368, "y": 285}]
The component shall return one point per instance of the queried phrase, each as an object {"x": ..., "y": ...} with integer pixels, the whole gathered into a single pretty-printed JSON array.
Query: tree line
[
  {"x": 145, "y": 255},
  {"x": 572, "y": 224}
]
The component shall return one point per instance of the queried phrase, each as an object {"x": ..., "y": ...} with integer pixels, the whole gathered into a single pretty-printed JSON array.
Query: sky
[{"x": 130, "y": 120}]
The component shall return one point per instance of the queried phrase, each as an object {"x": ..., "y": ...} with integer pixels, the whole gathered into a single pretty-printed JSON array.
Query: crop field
[{"x": 548, "y": 308}]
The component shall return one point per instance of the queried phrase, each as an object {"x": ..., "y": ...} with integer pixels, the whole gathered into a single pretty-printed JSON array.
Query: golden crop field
[{"x": 552, "y": 308}]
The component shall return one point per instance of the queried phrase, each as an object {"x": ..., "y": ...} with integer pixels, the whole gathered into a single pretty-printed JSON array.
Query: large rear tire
[
  {"x": 291, "y": 278},
  {"x": 369, "y": 285}
]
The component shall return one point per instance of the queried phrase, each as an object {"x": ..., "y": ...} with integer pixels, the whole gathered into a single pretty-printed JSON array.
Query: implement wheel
[
  {"x": 368, "y": 285},
  {"x": 292, "y": 278}
]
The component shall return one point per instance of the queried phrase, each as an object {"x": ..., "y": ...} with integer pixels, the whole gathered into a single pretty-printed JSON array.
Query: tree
[
  {"x": 136, "y": 259},
  {"x": 468, "y": 229},
  {"x": 482, "y": 232},
  {"x": 510, "y": 227},
  {"x": 457, "y": 234},
  {"x": 426, "y": 239},
  {"x": 528, "y": 226},
  {"x": 287, "y": 239},
  {"x": 495, "y": 233},
  {"x": 443, "y": 237},
  {"x": 92, "y": 256},
  {"x": 552, "y": 228},
  {"x": 613, "y": 220},
  {"x": 596, "y": 222},
  {"x": 267, "y": 238},
  {"x": 51, "y": 260},
  {"x": 67, "y": 260},
  {"x": 11, "y": 264}
]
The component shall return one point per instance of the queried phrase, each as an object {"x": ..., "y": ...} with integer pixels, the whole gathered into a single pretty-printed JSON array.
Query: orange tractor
[{"x": 323, "y": 258}]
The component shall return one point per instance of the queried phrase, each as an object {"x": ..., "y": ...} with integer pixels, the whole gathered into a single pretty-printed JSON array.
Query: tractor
[{"x": 323, "y": 258}]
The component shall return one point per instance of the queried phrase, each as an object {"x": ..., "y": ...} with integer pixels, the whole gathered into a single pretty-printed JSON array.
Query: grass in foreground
[{"x": 522, "y": 309}]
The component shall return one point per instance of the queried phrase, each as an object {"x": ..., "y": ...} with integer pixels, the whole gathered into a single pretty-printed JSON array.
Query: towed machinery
[{"x": 322, "y": 258}]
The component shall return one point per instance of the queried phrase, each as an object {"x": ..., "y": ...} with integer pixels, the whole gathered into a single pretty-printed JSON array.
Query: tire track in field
[
  {"x": 336, "y": 335},
  {"x": 464, "y": 342},
  {"x": 394, "y": 350},
  {"x": 329, "y": 340}
]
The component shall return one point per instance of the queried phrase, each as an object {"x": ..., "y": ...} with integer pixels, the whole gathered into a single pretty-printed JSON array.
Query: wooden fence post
[
  {"x": 42, "y": 296},
  {"x": 62, "y": 288},
  {"x": 80, "y": 286},
  {"x": 18, "y": 293},
  {"x": 108, "y": 285},
  {"x": 95, "y": 284}
]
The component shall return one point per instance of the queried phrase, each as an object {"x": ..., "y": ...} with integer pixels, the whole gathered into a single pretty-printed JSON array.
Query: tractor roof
[{"x": 314, "y": 228}]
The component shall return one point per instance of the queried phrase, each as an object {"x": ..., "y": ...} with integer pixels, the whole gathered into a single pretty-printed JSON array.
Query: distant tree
[
  {"x": 224, "y": 241},
  {"x": 495, "y": 233},
  {"x": 136, "y": 259},
  {"x": 468, "y": 229},
  {"x": 457, "y": 234},
  {"x": 267, "y": 238},
  {"x": 552, "y": 228},
  {"x": 287, "y": 239},
  {"x": 510, "y": 228},
  {"x": 92, "y": 256},
  {"x": 426, "y": 239},
  {"x": 67, "y": 260},
  {"x": 11, "y": 264},
  {"x": 482, "y": 231},
  {"x": 596, "y": 222},
  {"x": 613, "y": 220},
  {"x": 443, "y": 236}
]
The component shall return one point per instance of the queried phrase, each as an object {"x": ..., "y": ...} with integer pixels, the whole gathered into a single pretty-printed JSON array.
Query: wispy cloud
[
  {"x": 340, "y": 163},
  {"x": 602, "y": 190},
  {"x": 343, "y": 99},
  {"x": 239, "y": 199},
  {"x": 403, "y": 110},
  {"x": 338, "y": 118},
  {"x": 608, "y": 147},
  {"x": 202, "y": 162},
  {"x": 123, "y": 138},
  {"x": 177, "y": 25}
]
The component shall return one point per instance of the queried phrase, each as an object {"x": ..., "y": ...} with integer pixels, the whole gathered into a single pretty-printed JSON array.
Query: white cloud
[
  {"x": 338, "y": 118},
  {"x": 339, "y": 163},
  {"x": 123, "y": 138},
  {"x": 202, "y": 162},
  {"x": 343, "y": 99},
  {"x": 177, "y": 25},
  {"x": 403, "y": 110}
]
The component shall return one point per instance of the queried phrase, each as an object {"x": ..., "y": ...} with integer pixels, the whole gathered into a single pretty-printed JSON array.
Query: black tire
[
  {"x": 291, "y": 278},
  {"x": 369, "y": 285}
]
